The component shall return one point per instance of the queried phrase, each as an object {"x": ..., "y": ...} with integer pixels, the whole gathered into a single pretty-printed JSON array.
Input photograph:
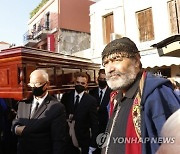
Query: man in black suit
[
  {"x": 102, "y": 95},
  {"x": 41, "y": 121},
  {"x": 82, "y": 116}
]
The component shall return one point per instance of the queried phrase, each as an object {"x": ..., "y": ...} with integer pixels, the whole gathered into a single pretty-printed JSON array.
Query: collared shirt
[
  {"x": 39, "y": 100},
  {"x": 118, "y": 123},
  {"x": 80, "y": 96},
  {"x": 103, "y": 92}
]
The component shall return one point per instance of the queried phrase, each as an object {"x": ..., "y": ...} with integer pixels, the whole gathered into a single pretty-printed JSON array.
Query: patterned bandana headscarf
[{"x": 123, "y": 46}]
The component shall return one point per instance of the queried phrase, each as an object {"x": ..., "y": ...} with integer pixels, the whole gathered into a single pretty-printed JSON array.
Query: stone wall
[{"x": 70, "y": 42}]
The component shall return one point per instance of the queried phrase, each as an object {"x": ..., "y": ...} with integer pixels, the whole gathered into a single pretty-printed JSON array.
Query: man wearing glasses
[
  {"x": 40, "y": 123},
  {"x": 81, "y": 110}
]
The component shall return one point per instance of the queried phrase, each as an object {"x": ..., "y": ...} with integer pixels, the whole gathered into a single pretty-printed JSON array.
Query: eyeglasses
[{"x": 38, "y": 84}]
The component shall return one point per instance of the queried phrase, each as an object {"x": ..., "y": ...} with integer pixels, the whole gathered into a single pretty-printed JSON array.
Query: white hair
[{"x": 41, "y": 72}]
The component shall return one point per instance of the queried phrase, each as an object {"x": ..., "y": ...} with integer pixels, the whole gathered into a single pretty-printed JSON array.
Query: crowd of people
[{"x": 128, "y": 103}]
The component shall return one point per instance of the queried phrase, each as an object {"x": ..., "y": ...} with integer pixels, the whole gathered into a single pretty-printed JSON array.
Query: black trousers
[{"x": 71, "y": 149}]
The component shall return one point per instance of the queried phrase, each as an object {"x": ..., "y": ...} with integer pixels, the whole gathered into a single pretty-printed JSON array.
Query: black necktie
[
  {"x": 35, "y": 109},
  {"x": 76, "y": 102},
  {"x": 100, "y": 96},
  {"x": 37, "y": 105}
]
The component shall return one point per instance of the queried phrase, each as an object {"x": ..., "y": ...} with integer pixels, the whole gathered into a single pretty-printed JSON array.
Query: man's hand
[
  {"x": 91, "y": 150},
  {"x": 19, "y": 130}
]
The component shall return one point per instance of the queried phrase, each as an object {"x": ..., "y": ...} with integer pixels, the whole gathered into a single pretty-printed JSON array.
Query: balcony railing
[
  {"x": 29, "y": 40},
  {"x": 34, "y": 35}
]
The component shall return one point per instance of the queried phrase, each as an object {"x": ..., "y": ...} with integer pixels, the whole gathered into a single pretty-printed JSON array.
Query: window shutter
[
  {"x": 178, "y": 12},
  {"x": 108, "y": 27},
  {"x": 140, "y": 16},
  {"x": 145, "y": 25},
  {"x": 150, "y": 27},
  {"x": 172, "y": 16}
]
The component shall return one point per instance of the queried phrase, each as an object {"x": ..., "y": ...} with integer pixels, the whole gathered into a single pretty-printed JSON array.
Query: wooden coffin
[{"x": 17, "y": 63}]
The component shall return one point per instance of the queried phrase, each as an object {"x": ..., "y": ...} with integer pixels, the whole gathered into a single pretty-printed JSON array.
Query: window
[
  {"x": 34, "y": 27},
  {"x": 145, "y": 25},
  {"x": 108, "y": 27},
  {"x": 174, "y": 16},
  {"x": 91, "y": 75},
  {"x": 47, "y": 21},
  {"x": 68, "y": 76}
]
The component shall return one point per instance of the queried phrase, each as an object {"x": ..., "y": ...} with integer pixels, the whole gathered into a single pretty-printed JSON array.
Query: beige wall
[
  {"x": 52, "y": 7},
  {"x": 125, "y": 24}
]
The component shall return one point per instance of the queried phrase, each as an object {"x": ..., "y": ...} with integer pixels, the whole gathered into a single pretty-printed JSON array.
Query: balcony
[
  {"x": 42, "y": 31},
  {"x": 29, "y": 40},
  {"x": 38, "y": 33}
]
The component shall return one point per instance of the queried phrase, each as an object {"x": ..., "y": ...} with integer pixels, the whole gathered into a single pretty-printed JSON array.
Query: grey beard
[{"x": 123, "y": 81}]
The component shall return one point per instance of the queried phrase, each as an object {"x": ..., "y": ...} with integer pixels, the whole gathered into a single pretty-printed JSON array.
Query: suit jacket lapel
[
  {"x": 28, "y": 108},
  {"x": 97, "y": 93},
  {"x": 106, "y": 97},
  {"x": 42, "y": 107},
  {"x": 82, "y": 100},
  {"x": 71, "y": 105},
  {"x": 80, "y": 103}
]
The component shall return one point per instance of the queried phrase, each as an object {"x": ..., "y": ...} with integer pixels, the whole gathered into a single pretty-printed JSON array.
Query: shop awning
[
  {"x": 169, "y": 46},
  {"x": 154, "y": 60}
]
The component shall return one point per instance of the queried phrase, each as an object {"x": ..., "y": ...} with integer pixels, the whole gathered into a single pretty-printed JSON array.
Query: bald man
[
  {"x": 171, "y": 130},
  {"x": 40, "y": 123}
]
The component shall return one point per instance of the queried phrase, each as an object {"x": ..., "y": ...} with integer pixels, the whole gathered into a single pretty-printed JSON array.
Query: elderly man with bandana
[{"x": 142, "y": 103}]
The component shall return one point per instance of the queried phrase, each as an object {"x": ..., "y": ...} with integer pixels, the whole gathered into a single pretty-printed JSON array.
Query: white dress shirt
[
  {"x": 80, "y": 96},
  {"x": 39, "y": 100},
  {"x": 103, "y": 92}
]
